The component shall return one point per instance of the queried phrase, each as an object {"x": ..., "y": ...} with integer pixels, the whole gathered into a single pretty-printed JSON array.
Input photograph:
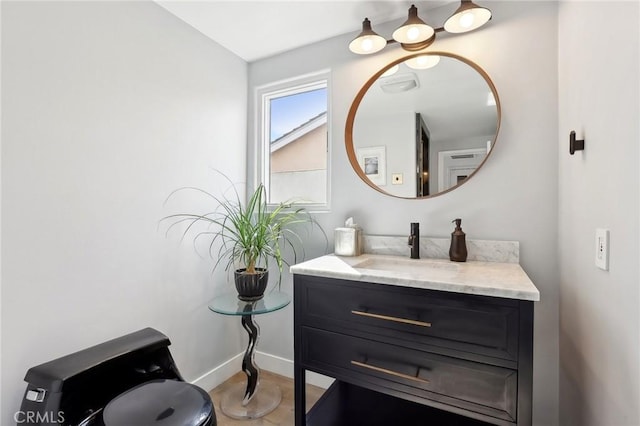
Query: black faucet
[{"x": 414, "y": 240}]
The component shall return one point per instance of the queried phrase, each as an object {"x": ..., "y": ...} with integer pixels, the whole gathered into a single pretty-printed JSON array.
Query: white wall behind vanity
[
  {"x": 599, "y": 316},
  {"x": 106, "y": 108},
  {"x": 514, "y": 197}
]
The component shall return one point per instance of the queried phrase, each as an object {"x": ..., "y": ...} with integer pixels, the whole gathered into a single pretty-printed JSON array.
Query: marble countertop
[{"x": 495, "y": 279}]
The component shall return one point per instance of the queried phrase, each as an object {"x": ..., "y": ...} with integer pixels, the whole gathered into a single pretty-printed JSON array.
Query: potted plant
[{"x": 248, "y": 237}]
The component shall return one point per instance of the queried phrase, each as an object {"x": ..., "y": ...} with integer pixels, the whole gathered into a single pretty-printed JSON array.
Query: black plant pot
[{"x": 251, "y": 287}]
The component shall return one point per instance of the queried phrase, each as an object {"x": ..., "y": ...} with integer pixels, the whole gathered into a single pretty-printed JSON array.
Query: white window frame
[{"x": 263, "y": 94}]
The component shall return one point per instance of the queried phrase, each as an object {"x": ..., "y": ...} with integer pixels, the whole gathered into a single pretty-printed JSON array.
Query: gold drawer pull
[
  {"x": 396, "y": 319},
  {"x": 390, "y": 372}
]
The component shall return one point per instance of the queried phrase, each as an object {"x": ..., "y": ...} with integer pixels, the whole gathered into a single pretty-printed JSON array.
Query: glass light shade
[
  {"x": 491, "y": 100},
  {"x": 391, "y": 71},
  {"x": 367, "y": 41},
  {"x": 467, "y": 17},
  {"x": 414, "y": 30},
  {"x": 423, "y": 62}
]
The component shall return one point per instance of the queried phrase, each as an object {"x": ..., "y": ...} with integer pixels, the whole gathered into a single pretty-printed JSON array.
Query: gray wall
[
  {"x": 106, "y": 108},
  {"x": 514, "y": 197},
  {"x": 599, "y": 315},
  {"x": 396, "y": 132}
]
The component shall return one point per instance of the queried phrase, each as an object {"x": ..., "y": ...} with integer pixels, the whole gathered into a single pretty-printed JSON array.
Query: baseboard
[
  {"x": 265, "y": 361},
  {"x": 284, "y": 367},
  {"x": 220, "y": 374}
]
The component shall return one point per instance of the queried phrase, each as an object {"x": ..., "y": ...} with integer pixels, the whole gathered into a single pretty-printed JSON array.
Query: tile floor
[{"x": 281, "y": 416}]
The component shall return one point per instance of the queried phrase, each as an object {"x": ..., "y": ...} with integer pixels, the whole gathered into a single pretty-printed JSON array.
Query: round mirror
[{"x": 423, "y": 125}]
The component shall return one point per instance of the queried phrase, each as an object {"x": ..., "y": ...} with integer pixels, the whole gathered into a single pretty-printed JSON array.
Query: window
[{"x": 294, "y": 139}]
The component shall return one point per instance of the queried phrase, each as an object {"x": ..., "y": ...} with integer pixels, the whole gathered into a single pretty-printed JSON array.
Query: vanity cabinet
[{"x": 443, "y": 353}]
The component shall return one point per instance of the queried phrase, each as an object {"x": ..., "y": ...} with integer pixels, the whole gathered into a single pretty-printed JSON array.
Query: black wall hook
[{"x": 575, "y": 145}]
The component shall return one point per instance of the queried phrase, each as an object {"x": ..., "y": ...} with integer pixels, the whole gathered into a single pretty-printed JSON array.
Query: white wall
[
  {"x": 449, "y": 145},
  {"x": 513, "y": 197},
  {"x": 397, "y": 133},
  {"x": 106, "y": 108},
  {"x": 599, "y": 45},
  {"x": 1, "y": 373}
]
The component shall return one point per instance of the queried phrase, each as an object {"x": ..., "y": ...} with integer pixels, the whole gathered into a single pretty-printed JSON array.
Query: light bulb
[
  {"x": 413, "y": 33},
  {"x": 367, "y": 44},
  {"x": 423, "y": 62},
  {"x": 466, "y": 20}
]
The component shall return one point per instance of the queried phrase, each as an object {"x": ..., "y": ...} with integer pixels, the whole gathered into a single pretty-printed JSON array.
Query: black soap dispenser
[{"x": 458, "y": 249}]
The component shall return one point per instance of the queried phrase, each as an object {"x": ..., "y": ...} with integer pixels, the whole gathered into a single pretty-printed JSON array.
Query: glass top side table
[{"x": 242, "y": 401}]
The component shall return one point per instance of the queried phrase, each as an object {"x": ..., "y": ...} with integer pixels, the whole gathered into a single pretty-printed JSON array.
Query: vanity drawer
[
  {"x": 422, "y": 319},
  {"x": 477, "y": 387}
]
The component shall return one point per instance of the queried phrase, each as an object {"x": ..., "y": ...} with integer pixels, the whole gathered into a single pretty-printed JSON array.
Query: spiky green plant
[{"x": 246, "y": 235}]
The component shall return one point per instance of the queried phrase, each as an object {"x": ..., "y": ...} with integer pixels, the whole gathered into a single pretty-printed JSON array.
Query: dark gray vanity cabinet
[{"x": 424, "y": 353}]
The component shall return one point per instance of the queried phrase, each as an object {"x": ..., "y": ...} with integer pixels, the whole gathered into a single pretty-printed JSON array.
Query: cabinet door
[
  {"x": 477, "y": 387},
  {"x": 422, "y": 319}
]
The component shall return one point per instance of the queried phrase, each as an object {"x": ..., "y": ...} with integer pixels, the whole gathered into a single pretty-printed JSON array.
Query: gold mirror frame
[{"x": 348, "y": 134}]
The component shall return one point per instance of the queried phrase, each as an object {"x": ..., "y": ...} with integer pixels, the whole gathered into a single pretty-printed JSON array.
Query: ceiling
[
  {"x": 258, "y": 29},
  {"x": 451, "y": 97}
]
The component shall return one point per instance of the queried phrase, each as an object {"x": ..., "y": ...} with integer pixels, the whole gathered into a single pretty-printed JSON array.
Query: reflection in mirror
[{"x": 424, "y": 129}]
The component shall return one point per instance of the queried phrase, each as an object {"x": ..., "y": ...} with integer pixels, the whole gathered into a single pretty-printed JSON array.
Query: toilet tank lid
[{"x": 53, "y": 374}]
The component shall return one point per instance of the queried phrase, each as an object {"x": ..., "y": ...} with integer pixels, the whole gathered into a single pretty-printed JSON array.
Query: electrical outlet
[
  {"x": 396, "y": 179},
  {"x": 602, "y": 249}
]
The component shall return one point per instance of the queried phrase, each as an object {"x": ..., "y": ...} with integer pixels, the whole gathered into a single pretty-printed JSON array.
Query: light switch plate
[
  {"x": 602, "y": 249},
  {"x": 396, "y": 179}
]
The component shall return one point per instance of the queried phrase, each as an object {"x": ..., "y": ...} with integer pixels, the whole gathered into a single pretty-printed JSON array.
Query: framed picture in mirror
[{"x": 373, "y": 162}]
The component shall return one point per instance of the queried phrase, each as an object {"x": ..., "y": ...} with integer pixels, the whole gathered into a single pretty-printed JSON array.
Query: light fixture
[
  {"x": 391, "y": 71},
  {"x": 414, "y": 30},
  {"x": 423, "y": 62},
  {"x": 491, "y": 100},
  {"x": 414, "y": 34},
  {"x": 367, "y": 41},
  {"x": 399, "y": 83},
  {"x": 467, "y": 17}
]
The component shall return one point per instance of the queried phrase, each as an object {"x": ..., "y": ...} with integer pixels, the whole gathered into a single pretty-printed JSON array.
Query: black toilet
[{"x": 128, "y": 381}]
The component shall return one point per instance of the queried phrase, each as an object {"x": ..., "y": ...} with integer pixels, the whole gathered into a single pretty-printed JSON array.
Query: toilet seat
[{"x": 162, "y": 403}]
